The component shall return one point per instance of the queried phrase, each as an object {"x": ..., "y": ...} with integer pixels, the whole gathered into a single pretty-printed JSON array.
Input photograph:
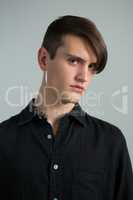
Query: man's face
[{"x": 69, "y": 70}]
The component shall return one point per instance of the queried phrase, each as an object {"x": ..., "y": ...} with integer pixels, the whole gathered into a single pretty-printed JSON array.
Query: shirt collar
[
  {"x": 29, "y": 112},
  {"x": 79, "y": 114}
]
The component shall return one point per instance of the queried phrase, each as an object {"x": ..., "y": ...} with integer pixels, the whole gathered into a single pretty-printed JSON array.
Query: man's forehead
[{"x": 76, "y": 46}]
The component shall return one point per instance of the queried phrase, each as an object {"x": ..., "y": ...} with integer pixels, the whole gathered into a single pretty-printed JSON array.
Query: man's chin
[
  {"x": 65, "y": 101},
  {"x": 69, "y": 98}
]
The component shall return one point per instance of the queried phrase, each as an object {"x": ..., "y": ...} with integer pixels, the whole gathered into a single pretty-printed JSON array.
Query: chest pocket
[{"x": 88, "y": 185}]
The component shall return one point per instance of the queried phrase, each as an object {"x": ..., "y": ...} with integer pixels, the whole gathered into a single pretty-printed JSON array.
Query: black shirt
[{"x": 88, "y": 159}]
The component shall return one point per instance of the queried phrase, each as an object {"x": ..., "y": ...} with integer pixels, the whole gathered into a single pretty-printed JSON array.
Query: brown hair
[{"x": 78, "y": 26}]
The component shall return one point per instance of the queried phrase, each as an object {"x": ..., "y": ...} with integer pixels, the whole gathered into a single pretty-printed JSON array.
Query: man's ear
[{"x": 42, "y": 58}]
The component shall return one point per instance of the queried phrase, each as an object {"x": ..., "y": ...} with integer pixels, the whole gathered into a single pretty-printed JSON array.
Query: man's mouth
[{"x": 77, "y": 88}]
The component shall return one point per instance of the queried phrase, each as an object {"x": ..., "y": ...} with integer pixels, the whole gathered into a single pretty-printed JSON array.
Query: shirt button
[
  {"x": 56, "y": 166},
  {"x": 49, "y": 136}
]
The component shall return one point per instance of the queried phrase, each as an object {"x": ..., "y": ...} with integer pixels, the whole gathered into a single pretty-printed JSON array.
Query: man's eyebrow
[{"x": 75, "y": 56}]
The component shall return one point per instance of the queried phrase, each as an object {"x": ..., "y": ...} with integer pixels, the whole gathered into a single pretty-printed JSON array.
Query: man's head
[
  {"x": 77, "y": 26},
  {"x": 72, "y": 51}
]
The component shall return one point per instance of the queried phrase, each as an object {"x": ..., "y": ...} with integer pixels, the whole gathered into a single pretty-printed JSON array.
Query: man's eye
[
  {"x": 73, "y": 61},
  {"x": 92, "y": 67}
]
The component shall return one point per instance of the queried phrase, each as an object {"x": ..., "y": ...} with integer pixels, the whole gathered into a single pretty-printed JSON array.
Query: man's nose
[{"x": 83, "y": 74}]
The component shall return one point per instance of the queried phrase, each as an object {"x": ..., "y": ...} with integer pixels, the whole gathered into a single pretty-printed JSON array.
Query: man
[{"x": 52, "y": 149}]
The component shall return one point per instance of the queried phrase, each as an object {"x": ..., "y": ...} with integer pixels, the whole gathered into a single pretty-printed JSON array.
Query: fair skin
[{"x": 69, "y": 67}]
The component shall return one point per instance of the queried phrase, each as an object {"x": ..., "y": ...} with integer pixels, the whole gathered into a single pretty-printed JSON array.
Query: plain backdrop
[{"x": 22, "y": 27}]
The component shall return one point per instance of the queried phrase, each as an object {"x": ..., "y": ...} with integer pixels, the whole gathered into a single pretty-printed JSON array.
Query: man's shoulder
[
  {"x": 101, "y": 123},
  {"x": 8, "y": 128},
  {"x": 104, "y": 128},
  {"x": 8, "y": 133},
  {"x": 9, "y": 122},
  {"x": 13, "y": 121}
]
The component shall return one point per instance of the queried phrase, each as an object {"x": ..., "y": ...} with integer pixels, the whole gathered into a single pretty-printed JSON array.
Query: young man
[{"x": 52, "y": 149}]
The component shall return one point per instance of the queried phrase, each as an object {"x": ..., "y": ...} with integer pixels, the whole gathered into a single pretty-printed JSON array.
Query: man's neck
[
  {"x": 53, "y": 112},
  {"x": 46, "y": 103}
]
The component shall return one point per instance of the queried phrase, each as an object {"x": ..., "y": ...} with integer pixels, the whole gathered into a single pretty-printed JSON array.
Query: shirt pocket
[{"x": 88, "y": 185}]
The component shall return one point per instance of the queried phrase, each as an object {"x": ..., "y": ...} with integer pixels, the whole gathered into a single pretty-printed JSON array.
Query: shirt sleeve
[{"x": 124, "y": 175}]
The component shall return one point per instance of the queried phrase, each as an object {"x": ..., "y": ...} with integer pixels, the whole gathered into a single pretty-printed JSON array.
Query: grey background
[{"x": 22, "y": 27}]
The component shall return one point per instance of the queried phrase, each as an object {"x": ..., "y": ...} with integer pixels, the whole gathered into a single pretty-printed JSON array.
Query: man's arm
[{"x": 124, "y": 175}]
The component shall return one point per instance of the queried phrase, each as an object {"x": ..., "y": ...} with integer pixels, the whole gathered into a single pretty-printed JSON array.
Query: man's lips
[{"x": 77, "y": 86}]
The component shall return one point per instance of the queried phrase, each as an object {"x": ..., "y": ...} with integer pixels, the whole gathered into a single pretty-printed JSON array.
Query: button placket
[{"x": 56, "y": 168}]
